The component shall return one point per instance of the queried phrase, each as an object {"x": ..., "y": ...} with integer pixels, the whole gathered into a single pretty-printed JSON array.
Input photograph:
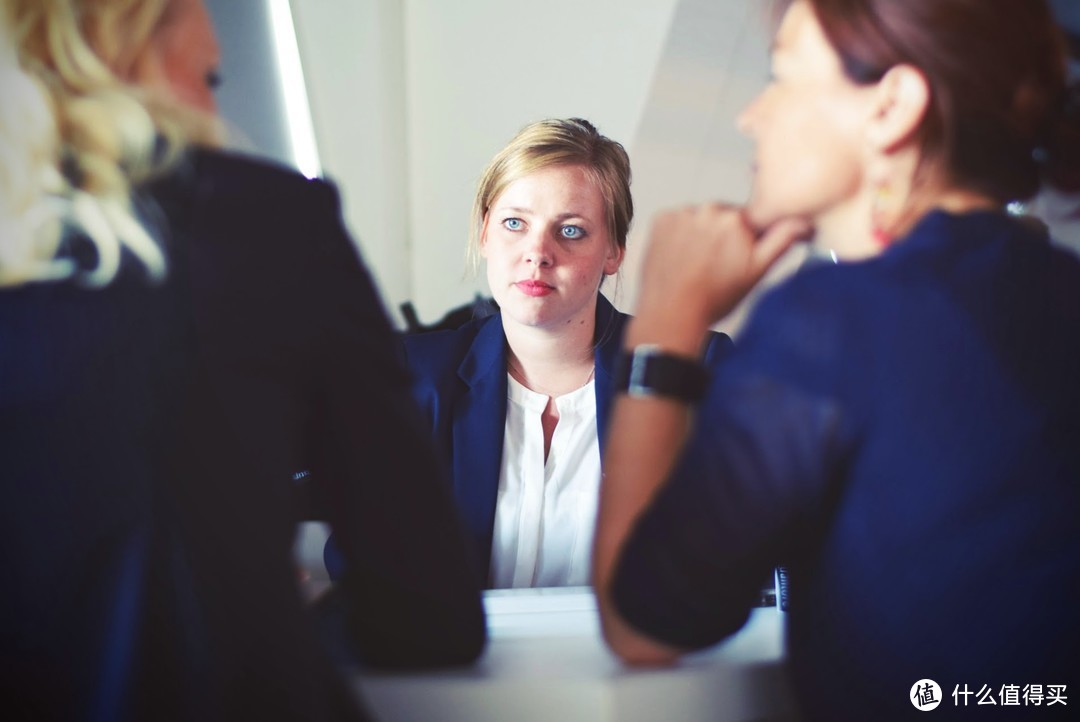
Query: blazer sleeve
[{"x": 409, "y": 591}]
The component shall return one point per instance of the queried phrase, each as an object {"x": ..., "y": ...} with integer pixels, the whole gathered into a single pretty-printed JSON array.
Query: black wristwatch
[{"x": 648, "y": 371}]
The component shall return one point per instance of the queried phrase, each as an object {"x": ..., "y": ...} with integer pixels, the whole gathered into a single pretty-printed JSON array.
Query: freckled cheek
[
  {"x": 495, "y": 272},
  {"x": 586, "y": 280}
]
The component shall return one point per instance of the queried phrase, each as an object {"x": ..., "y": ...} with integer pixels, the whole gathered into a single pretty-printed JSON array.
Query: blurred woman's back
[{"x": 180, "y": 329}]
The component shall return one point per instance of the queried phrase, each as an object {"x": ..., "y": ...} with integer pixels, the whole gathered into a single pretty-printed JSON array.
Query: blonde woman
[
  {"x": 518, "y": 401},
  {"x": 180, "y": 329}
]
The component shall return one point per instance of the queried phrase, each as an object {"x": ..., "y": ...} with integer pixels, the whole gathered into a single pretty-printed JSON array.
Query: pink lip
[{"x": 534, "y": 288}]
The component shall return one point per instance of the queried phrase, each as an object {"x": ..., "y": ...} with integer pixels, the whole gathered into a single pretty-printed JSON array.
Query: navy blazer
[
  {"x": 904, "y": 432},
  {"x": 460, "y": 384},
  {"x": 148, "y": 433}
]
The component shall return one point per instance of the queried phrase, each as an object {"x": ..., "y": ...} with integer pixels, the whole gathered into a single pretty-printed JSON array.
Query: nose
[{"x": 538, "y": 249}]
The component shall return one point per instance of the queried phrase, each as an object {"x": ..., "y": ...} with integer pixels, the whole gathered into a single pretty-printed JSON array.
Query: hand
[{"x": 703, "y": 260}]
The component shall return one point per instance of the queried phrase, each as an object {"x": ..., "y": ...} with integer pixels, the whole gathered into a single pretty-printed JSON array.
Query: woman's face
[
  {"x": 184, "y": 56},
  {"x": 806, "y": 127},
  {"x": 547, "y": 248}
]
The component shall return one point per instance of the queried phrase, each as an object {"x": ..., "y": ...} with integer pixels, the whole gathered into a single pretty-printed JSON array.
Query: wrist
[
  {"x": 679, "y": 334},
  {"x": 647, "y": 371}
]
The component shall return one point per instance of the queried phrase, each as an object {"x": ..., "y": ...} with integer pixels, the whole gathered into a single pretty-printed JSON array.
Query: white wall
[
  {"x": 411, "y": 98},
  {"x": 479, "y": 70},
  {"x": 687, "y": 148},
  {"x": 352, "y": 53}
]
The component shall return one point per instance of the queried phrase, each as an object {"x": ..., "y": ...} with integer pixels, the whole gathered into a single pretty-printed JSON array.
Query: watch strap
[{"x": 648, "y": 371}]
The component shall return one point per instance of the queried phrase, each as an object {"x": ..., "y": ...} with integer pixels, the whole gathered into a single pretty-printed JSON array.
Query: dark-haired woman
[{"x": 903, "y": 427}]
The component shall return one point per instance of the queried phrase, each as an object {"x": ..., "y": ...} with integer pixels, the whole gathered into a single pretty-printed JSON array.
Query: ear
[
  {"x": 614, "y": 259},
  {"x": 900, "y": 104}
]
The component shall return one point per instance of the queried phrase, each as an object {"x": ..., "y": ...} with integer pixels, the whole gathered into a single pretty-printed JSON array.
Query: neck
[
  {"x": 551, "y": 361},
  {"x": 849, "y": 229},
  {"x": 846, "y": 230}
]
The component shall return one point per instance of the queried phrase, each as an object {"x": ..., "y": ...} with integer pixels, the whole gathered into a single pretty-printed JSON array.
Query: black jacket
[{"x": 148, "y": 435}]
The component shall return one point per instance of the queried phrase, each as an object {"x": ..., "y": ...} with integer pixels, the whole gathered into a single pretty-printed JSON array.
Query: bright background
[{"x": 405, "y": 101}]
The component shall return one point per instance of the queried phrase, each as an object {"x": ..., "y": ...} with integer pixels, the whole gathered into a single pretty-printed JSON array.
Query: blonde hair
[
  {"x": 28, "y": 222},
  {"x": 556, "y": 142},
  {"x": 82, "y": 137}
]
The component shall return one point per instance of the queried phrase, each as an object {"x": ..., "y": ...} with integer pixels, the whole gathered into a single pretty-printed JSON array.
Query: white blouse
[{"x": 545, "y": 513}]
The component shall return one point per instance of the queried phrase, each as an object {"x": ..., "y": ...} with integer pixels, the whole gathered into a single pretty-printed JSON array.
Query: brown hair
[
  {"x": 1001, "y": 118},
  {"x": 555, "y": 142}
]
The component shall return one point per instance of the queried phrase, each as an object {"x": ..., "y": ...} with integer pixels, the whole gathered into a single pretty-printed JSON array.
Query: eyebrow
[{"x": 560, "y": 217}]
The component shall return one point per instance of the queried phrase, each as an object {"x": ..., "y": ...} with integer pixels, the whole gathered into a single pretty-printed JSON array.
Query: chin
[
  {"x": 762, "y": 214},
  {"x": 525, "y": 314}
]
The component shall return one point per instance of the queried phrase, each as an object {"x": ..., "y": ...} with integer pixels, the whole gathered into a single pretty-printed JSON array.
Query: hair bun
[{"x": 586, "y": 125}]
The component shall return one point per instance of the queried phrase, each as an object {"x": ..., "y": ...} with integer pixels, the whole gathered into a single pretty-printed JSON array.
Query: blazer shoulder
[
  {"x": 434, "y": 357},
  {"x": 717, "y": 348},
  {"x": 254, "y": 179},
  {"x": 219, "y": 182}
]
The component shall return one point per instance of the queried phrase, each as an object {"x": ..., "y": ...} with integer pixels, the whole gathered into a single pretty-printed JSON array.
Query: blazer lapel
[{"x": 478, "y": 431}]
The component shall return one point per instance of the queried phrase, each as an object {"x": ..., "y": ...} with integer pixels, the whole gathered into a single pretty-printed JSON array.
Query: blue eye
[
  {"x": 572, "y": 232},
  {"x": 513, "y": 224}
]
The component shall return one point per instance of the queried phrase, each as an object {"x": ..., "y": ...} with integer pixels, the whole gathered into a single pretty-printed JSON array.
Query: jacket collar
[{"x": 487, "y": 353}]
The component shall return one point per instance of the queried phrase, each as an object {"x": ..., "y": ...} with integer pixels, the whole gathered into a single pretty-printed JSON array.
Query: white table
[{"x": 547, "y": 662}]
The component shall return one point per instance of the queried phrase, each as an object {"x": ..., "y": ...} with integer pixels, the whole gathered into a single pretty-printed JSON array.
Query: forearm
[
  {"x": 645, "y": 438},
  {"x": 700, "y": 263}
]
